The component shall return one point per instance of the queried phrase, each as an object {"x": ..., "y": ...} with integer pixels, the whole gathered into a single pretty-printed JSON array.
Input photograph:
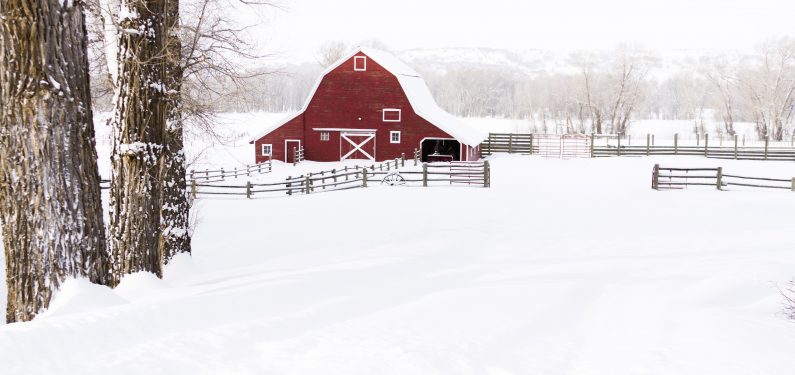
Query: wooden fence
[
  {"x": 664, "y": 178},
  {"x": 222, "y": 174},
  {"x": 298, "y": 155},
  {"x": 431, "y": 174},
  {"x": 732, "y": 151},
  {"x": 578, "y": 145}
]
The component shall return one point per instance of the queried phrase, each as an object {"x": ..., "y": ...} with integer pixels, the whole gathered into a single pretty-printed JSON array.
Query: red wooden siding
[
  {"x": 293, "y": 129},
  {"x": 350, "y": 99}
]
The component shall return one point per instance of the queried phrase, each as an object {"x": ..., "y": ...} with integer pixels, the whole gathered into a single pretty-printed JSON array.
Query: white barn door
[{"x": 359, "y": 146}]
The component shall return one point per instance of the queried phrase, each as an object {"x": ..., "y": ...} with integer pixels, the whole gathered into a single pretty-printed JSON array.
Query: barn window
[
  {"x": 324, "y": 136},
  {"x": 267, "y": 149},
  {"x": 360, "y": 63},
  {"x": 394, "y": 137},
  {"x": 391, "y": 115}
]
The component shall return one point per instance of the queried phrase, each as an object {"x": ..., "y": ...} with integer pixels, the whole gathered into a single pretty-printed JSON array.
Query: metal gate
[{"x": 566, "y": 146}]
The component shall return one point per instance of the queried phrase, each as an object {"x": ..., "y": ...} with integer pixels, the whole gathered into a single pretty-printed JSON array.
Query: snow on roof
[{"x": 416, "y": 91}]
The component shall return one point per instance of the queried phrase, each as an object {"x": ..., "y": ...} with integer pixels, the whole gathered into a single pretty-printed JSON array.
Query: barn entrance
[
  {"x": 440, "y": 147},
  {"x": 290, "y": 147},
  {"x": 358, "y": 146}
]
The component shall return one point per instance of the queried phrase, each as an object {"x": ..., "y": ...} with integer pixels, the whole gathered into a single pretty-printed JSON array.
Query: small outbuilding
[{"x": 370, "y": 106}]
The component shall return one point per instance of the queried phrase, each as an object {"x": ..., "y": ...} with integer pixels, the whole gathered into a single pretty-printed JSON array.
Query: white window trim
[
  {"x": 391, "y": 140},
  {"x": 356, "y": 67},
  {"x": 385, "y": 110},
  {"x": 325, "y": 136},
  {"x": 270, "y": 146}
]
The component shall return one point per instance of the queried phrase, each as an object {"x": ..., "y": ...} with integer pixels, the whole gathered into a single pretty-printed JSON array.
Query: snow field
[{"x": 562, "y": 267}]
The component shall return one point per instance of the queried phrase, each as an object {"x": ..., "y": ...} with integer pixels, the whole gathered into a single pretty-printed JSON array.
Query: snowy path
[{"x": 555, "y": 270}]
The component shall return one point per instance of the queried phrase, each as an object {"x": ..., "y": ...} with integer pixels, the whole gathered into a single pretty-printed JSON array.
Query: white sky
[{"x": 298, "y": 30}]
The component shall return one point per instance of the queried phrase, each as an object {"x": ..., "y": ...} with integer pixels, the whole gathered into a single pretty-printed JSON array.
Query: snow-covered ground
[{"x": 562, "y": 267}]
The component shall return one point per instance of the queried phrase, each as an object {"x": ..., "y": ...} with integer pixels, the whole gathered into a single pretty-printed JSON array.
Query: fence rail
[
  {"x": 431, "y": 174},
  {"x": 680, "y": 178},
  {"x": 578, "y": 145},
  {"x": 222, "y": 174}
]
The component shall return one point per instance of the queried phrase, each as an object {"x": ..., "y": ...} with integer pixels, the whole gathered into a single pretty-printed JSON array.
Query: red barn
[{"x": 369, "y": 105}]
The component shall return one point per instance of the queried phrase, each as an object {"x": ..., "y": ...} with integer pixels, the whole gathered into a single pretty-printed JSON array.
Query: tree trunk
[
  {"x": 138, "y": 140},
  {"x": 175, "y": 236},
  {"x": 50, "y": 206}
]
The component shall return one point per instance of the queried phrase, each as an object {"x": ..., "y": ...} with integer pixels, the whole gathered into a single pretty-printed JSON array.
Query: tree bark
[
  {"x": 174, "y": 214},
  {"x": 50, "y": 206},
  {"x": 138, "y": 141}
]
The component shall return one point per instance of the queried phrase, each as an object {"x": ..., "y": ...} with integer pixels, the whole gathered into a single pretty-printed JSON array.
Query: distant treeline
[{"x": 598, "y": 91}]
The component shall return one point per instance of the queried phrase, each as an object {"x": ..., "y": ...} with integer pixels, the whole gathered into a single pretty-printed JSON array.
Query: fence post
[
  {"x": 489, "y": 145},
  {"x": 510, "y": 143},
  {"x": 767, "y": 141},
  {"x": 648, "y": 144},
  {"x": 743, "y": 140},
  {"x": 364, "y": 177},
  {"x": 592, "y": 139},
  {"x": 396, "y": 163},
  {"x": 676, "y": 143},
  {"x": 289, "y": 186},
  {"x": 618, "y": 148},
  {"x": 735, "y": 147},
  {"x": 706, "y": 144},
  {"x": 248, "y": 189},
  {"x": 223, "y": 174},
  {"x": 334, "y": 173},
  {"x": 307, "y": 181},
  {"x": 193, "y": 187},
  {"x": 191, "y": 175},
  {"x": 402, "y": 159},
  {"x": 424, "y": 174},
  {"x": 655, "y": 177},
  {"x": 248, "y": 170},
  {"x": 206, "y": 174},
  {"x": 487, "y": 175},
  {"x": 793, "y": 184},
  {"x": 234, "y": 175},
  {"x": 720, "y": 178},
  {"x": 531, "y": 145},
  {"x": 294, "y": 157}
]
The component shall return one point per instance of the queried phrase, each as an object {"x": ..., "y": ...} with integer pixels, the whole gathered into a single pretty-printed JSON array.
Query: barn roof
[{"x": 416, "y": 91}]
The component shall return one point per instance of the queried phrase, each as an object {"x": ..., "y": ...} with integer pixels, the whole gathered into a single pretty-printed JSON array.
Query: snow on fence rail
[
  {"x": 664, "y": 178},
  {"x": 579, "y": 145},
  {"x": 431, "y": 174}
]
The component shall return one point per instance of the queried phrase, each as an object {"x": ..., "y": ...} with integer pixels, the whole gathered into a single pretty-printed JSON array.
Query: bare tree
[
  {"x": 769, "y": 83},
  {"x": 330, "y": 52},
  {"x": 139, "y": 126},
  {"x": 50, "y": 207},
  {"x": 174, "y": 207}
]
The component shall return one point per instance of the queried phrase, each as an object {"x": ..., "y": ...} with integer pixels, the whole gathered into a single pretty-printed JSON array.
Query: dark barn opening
[{"x": 441, "y": 147}]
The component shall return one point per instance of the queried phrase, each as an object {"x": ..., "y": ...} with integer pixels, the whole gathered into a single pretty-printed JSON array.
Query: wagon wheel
[{"x": 393, "y": 178}]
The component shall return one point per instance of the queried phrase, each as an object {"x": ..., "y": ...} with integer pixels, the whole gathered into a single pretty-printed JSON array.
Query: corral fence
[
  {"x": 298, "y": 155},
  {"x": 664, "y": 178},
  {"x": 548, "y": 145},
  {"x": 593, "y": 145},
  {"x": 431, "y": 174},
  {"x": 217, "y": 175},
  {"x": 731, "y": 149},
  {"x": 222, "y": 174}
]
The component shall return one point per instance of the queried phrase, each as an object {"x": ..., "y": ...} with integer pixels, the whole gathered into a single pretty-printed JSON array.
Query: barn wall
[
  {"x": 355, "y": 99},
  {"x": 293, "y": 129}
]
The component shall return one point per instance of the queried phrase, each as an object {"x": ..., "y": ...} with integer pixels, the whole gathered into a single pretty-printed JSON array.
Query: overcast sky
[{"x": 303, "y": 25}]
